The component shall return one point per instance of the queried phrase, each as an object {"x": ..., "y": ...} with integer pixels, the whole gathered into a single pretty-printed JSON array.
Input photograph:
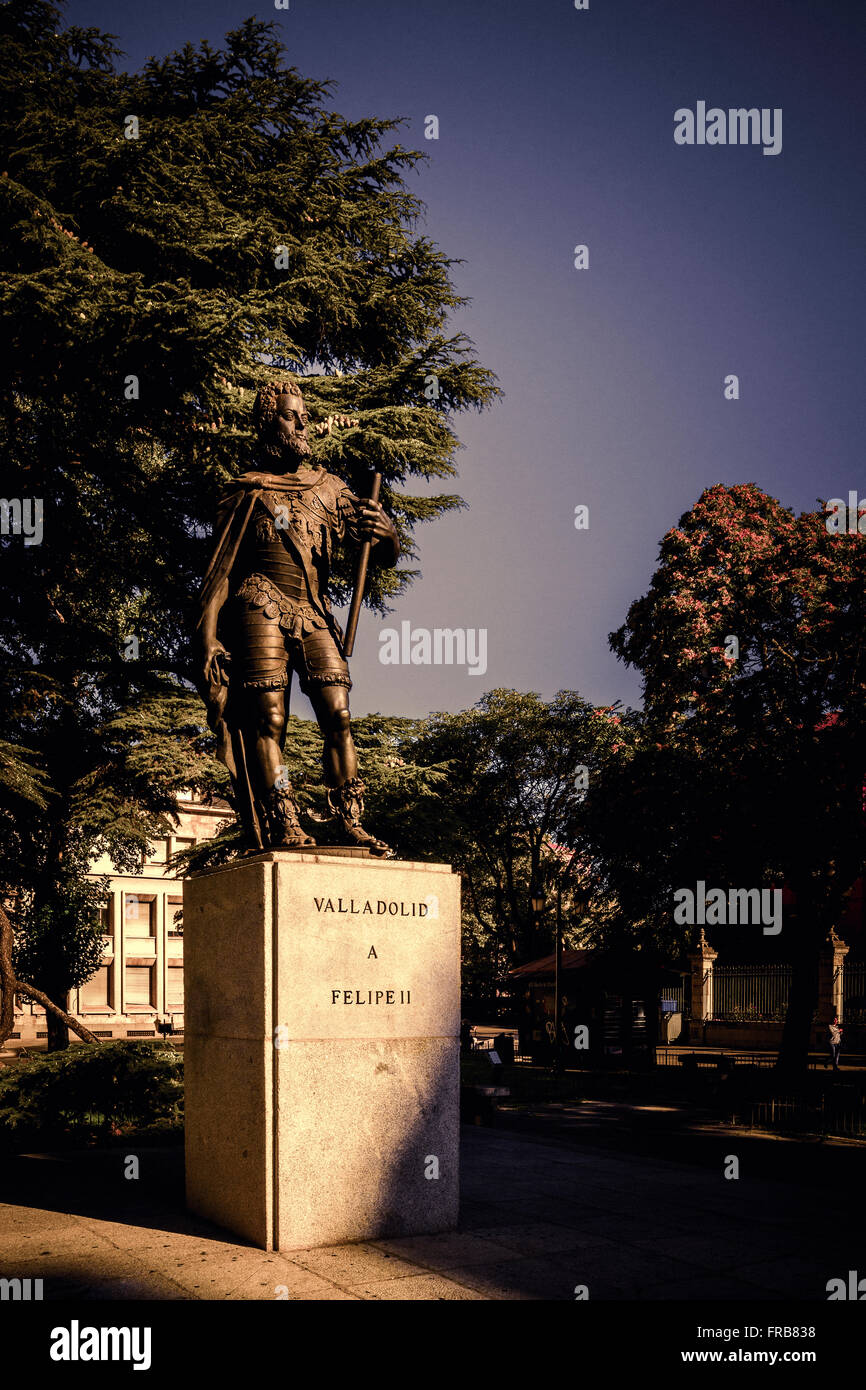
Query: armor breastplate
[{"x": 264, "y": 552}]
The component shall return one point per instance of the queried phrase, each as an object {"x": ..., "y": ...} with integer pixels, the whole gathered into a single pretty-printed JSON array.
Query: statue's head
[{"x": 280, "y": 419}]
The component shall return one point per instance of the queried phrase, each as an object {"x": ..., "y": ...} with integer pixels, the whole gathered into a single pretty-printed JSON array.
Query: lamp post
[
  {"x": 557, "y": 978},
  {"x": 557, "y": 973},
  {"x": 536, "y": 900}
]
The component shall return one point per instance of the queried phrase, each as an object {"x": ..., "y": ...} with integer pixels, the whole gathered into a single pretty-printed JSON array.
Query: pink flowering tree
[{"x": 752, "y": 645}]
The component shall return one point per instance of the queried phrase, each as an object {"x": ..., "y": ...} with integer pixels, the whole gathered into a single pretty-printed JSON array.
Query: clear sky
[{"x": 556, "y": 129}]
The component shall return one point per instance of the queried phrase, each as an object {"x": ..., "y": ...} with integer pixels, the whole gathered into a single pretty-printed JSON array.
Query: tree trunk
[
  {"x": 58, "y": 1031},
  {"x": 796, "y": 1035},
  {"x": 651, "y": 1006},
  {"x": 7, "y": 979}
]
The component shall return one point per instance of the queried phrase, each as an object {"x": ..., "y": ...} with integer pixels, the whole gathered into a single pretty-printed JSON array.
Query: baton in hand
[{"x": 360, "y": 579}]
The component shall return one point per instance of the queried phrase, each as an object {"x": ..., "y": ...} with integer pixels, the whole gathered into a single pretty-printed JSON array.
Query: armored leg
[
  {"x": 284, "y": 828},
  {"x": 345, "y": 788}
]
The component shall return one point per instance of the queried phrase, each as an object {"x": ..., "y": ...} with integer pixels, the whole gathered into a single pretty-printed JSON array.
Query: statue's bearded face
[{"x": 285, "y": 439}]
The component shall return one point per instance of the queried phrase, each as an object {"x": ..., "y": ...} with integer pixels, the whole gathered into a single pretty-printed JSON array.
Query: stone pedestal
[{"x": 321, "y": 1048}]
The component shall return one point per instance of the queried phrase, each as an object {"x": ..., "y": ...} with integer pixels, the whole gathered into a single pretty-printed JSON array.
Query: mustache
[{"x": 276, "y": 448}]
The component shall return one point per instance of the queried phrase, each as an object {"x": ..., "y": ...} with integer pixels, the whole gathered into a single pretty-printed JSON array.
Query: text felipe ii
[{"x": 374, "y": 996}]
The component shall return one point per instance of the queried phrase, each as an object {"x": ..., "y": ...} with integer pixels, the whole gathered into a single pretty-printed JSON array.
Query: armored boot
[
  {"x": 347, "y": 804},
  {"x": 283, "y": 824}
]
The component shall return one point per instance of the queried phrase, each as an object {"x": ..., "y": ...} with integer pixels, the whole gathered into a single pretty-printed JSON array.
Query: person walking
[{"x": 835, "y": 1041}]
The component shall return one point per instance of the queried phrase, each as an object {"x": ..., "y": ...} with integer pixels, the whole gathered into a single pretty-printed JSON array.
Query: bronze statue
[{"x": 265, "y": 614}]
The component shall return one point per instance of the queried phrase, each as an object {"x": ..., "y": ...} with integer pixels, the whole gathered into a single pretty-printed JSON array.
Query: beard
[{"x": 279, "y": 449}]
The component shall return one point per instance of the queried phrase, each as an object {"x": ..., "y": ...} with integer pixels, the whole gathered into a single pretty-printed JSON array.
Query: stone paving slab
[
  {"x": 355, "y": 1264},
  {"x": 421, "y": 1286},
  {"x": 285, "y": 1280},
  {"x": 549, "y": 1278},
  {"x": 447, "y": 1251},
  {"x": 542, "y": 1238}
]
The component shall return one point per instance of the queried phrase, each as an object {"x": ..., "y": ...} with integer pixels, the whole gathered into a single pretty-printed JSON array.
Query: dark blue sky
[{"x": 556, "y": 128}]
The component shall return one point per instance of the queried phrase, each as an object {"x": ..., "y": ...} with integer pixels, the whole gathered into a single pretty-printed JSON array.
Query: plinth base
[{"x": 321, "y": 1050}]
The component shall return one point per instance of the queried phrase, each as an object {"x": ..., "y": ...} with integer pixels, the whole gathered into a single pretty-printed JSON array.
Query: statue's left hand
[{"x": 373, "y": 524}]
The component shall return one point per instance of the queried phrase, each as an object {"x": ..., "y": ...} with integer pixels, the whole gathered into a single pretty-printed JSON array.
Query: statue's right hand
[{"x": 213, "y": 667}]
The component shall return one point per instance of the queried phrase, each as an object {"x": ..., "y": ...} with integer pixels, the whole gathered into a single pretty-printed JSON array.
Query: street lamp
[
  {"x": 557, "y": 977},
  {"x": 557, "y": 973},
  {"x": 536, "y": 902},
  {"x": 538, "y": 908}
]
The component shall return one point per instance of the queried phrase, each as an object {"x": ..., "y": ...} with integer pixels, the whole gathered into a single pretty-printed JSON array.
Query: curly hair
[{"x": 265, "y": 407}]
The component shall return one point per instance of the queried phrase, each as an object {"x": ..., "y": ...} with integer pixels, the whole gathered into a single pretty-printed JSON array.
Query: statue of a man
[{"x": 265, "y": 614}]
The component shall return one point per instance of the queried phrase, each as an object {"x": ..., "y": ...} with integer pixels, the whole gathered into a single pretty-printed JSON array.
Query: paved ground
[{"x": 543, "y": 1212}]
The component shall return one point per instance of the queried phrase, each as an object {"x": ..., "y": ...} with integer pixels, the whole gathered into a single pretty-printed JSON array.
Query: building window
[
  {"x": 106, "y": 920},
  {"x": 95, "y": 995},
  {"x": 174, "y": 989},
  {"x": 174, "y": 916},
  {"x": 139, "y": 985},
  {"x": 138, "y": 915}
]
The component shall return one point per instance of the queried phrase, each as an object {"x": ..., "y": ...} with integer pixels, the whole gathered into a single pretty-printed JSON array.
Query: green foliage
[
  {"x": 507, "y": 811},
  {"x": 154, "y": 258},
  {"x": 648, "y": 828},
  {"x": 22, "y": 780},
  {"x": 91, "y": 1092},
  {"x": 60, "y": 939}
]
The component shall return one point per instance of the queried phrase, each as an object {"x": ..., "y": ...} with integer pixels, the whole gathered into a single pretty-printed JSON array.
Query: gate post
[
  {"x": 831, "y": 974},
  {"x": 701, "y": 984}
]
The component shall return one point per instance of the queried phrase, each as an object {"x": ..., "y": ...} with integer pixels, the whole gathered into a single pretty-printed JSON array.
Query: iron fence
[
  {"x": 747, "y": 993},
  {"x": 706, "y": 1059},
  {"x": 854, "y": 992},
  {"x": 794, "y": 1115}
]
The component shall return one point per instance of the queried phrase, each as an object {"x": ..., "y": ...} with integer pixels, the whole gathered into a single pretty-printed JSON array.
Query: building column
[
  {"x": 701, "y": 983},
  {"x": 160, "y": 942},
  {"x": 118, "y": 997},
  {"x": 116, "y": 981}
]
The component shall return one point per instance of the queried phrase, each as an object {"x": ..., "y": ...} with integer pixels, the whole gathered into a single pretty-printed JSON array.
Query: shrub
[{"x": 90, "y": 1092}]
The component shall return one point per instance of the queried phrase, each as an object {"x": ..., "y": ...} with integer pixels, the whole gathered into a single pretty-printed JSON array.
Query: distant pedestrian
[{"x": 835, "y": 1041}]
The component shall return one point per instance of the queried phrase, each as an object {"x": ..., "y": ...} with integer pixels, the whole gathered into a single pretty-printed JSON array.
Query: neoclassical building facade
[{"x": 140, "y": 980}]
